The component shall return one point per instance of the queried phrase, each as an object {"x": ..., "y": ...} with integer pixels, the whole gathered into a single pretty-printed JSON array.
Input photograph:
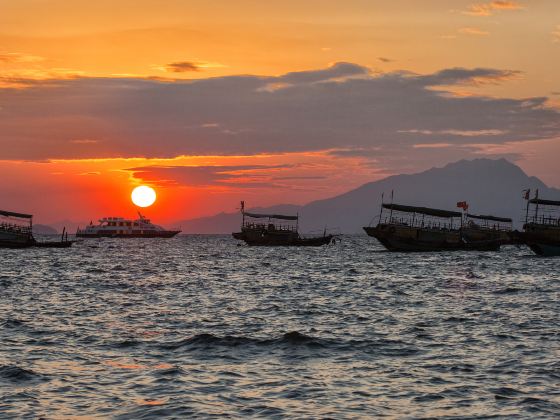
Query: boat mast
[
  {"x": 381, "y": 209},
  {"x": 243, "y": 213},
  {"x": 537, "y": 207},
  {"x": 528, "y": 198},
  {"x": 391, "y": 212}
]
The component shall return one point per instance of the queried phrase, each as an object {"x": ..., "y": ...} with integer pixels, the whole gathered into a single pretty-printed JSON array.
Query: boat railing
[
  {"x": 544, "y": 220},
  {"x": 421, "y": 223},
  {"x": 10, "y": 227},
  {"x": 271, "y": 226},
  {"x": 488, "y": 225}
]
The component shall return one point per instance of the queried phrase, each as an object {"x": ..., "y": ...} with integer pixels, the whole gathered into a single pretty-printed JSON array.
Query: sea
[{"x": 202, "y": 327}]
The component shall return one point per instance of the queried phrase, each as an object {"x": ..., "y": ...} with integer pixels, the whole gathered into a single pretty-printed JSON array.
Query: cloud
[
  {"x": 84, "y": 141},
  {"x": 473, "y": 31},
  {"x": 385, "y": 59},
  {"x": 182, "y": 67},
  {"x": 189, "y": 66},
  {"x": 488, "y": 9},
  {"x": 19, "y": 58},
  {"x": 461, "y": 133},
  {"x": 204, "y": 176},
  {"x": 341, "y": 107},
  {"x": 556, "y": 34}
]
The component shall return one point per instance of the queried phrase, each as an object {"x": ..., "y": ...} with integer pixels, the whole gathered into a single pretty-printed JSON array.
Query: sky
[{"x": 212, "y": 102}]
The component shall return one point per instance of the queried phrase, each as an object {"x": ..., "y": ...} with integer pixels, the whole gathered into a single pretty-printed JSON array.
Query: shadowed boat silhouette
[
  {"x": 416, "y": 229},
  {"x": 541, "y": 231},
  {"x": 16, "y": 231},
  {"x": 276, "y": 230}
]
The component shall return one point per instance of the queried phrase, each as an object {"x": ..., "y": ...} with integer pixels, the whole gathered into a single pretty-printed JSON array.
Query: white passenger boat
[{"x": 118, "y": 227}]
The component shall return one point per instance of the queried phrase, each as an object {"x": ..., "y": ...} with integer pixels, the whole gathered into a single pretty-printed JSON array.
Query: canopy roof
[
  {"x": 422, "y": 210},
  {"x": 492, "y": 218},
  {"x": 270, "y": 216},
  {"x": 544, "y": 202},
  {"x": 12, "y": 214}
]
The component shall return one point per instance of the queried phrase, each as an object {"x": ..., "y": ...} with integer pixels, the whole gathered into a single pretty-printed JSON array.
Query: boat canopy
[
  {"x": 544, "y": 202},
  {"x": 12, "y": 214},
  {"x": 270, "y": 216},
  {"x": 492, "y": 218},
  {"x": 422, "y": 210}
]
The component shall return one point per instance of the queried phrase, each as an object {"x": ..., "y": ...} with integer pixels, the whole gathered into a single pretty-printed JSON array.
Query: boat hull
[
  {"x": 10, "y": 239},
  {"x": 408, "y": 239},
  {"x": 264, "y": 238},
  {"x": 162, "y": 234},
  {"x": 545, "y": 250},
  {"x": 543, "y": 240}
]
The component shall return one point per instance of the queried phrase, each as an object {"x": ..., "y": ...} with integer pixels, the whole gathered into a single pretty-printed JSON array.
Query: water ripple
[{"x": 197, "y": 326}]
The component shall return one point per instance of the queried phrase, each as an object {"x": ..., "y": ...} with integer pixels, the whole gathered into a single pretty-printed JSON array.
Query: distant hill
[
  {"x": 39, "y": 229},
  {"x": 489, "y": 186}
]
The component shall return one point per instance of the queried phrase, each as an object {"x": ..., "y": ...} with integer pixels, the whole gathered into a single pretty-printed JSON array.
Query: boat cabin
[
  {"x": 420, "y": 217},
  {"x": 488, "y": 222},
  {"x": 543, "y": 212}
]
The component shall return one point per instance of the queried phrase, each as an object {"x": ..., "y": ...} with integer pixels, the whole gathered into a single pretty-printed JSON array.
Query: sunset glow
[{"x": 272, "y": 102}]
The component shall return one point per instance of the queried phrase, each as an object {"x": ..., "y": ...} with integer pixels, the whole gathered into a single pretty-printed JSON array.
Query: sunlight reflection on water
[{"x": 198, "y": 326}]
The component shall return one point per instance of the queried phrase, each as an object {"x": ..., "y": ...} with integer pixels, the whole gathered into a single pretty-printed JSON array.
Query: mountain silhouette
[{"x": 489, "y": 186}]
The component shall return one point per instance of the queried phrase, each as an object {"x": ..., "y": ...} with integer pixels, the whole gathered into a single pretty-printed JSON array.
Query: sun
[{"x": 143, "y": 196}]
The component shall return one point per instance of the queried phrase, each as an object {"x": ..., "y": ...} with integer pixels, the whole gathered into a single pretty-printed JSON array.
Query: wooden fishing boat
[
  {"x": 479, "y": 228},
  {"x": 420, "y": 229},
  {"x": 16, "y": 231},
  {"x": 275, "y": 230},
  {"x": 541, "y": 231}
]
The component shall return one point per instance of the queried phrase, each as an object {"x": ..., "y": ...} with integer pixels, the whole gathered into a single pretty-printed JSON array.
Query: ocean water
[{"x": 197, "y": 326}]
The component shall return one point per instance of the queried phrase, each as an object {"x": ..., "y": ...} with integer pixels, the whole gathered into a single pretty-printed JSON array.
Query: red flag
[
  {"x": 526, "y": 194},
  {"x": 463, "y": 205}
]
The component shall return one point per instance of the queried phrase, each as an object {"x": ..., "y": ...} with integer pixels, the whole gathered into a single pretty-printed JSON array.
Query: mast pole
[
  {"x": 391, "y": 212},
  {"x": 537, "y": 208},
  {"x": 527, "y": 209},
  {"x": 381, "y": 209}
]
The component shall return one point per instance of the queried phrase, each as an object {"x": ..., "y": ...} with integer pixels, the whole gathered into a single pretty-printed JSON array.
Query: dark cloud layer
[
  {"x": 340, "y": 107},
  {"x": 204, "y": 175}
]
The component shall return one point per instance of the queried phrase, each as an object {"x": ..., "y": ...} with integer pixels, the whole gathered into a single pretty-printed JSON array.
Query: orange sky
[{"x": 79, "y": 79}]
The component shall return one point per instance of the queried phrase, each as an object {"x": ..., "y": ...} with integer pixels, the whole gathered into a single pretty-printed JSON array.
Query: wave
[
  {"x": 12, "y": 323},
  {"x": 14, "y": 373},
  {"x": 293, "y": 340}
]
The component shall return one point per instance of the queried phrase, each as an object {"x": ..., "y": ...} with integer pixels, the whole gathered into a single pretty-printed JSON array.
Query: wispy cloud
[
  {"x": 556, "y": 34},
  {"x": 460, "y": 133},
  {"x": 385, "y": 59},
  {"x": 189, "y": 66},
  {"x": 6, "y": 57},
  {"x": 488, "y": 9},
  {"x": 473, "y": 31},
  {"x": 182, "y": 67},
  {"x": 84, "y": 141},
  {"x": 246, "y": 175}
]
